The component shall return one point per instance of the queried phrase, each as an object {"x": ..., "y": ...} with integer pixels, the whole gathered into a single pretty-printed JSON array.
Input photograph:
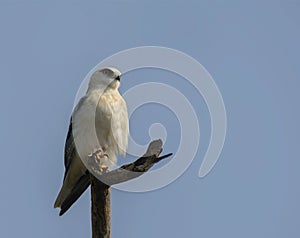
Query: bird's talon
[
  {"x": 103, "y": 168},
  {"x": 106, "y": 155}
]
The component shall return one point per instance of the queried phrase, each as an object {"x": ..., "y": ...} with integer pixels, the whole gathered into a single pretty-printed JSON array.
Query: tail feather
[
  {"x": 63, "y": 193},
  {"x": 82, "y": 184}
]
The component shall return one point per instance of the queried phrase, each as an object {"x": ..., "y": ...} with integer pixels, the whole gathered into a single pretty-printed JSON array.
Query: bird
[{"x": 101, "y": 112}]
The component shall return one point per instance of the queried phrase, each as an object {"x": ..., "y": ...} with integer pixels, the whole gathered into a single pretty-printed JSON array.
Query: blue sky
[{"x": 252, "y": 51}]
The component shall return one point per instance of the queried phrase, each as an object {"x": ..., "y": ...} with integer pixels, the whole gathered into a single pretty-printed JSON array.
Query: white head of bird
[{"x": 105, "y": 79}]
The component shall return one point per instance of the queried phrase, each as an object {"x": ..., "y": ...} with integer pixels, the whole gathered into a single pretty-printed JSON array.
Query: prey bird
[{"x": 101, "y": 112}]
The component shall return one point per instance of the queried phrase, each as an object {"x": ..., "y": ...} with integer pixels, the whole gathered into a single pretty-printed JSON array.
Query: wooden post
[
  {"x": 100, "y": 211},
  {"x": 100, "y": 187}
]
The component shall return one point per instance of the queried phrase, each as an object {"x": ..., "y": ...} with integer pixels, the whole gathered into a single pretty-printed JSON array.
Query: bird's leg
[
  {"x": 105, "y": 156},
  {"x": 104, "y": 149}
]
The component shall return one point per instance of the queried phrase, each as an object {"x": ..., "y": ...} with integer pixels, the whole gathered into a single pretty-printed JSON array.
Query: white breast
[{"x": 101, "y": 121}]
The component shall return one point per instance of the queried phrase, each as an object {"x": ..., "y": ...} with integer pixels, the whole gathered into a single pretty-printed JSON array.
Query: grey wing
[
  {"x": 70, "y": 149},
  {"x": 82, "y": 183}
]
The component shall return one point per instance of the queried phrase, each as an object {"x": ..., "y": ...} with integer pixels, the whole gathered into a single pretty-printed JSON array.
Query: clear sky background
[{"x": 251, "y": 48}]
